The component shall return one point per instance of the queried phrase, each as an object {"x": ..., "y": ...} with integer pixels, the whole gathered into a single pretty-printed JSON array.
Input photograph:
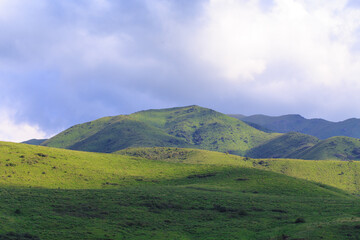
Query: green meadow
[{"x": 173, "y": 193}]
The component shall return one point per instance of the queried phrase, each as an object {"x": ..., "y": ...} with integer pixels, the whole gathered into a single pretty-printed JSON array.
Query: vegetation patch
[{"x": 18, "y": 236}]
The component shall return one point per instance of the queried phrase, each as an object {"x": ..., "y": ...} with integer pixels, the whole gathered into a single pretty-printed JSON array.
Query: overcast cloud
[{"x": 67, "y": 62}]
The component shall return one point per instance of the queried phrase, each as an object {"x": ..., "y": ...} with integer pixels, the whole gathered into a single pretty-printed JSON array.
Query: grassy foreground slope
[
  {"x": 51, "y": 193},
  {"x": 191, "y": 126}
]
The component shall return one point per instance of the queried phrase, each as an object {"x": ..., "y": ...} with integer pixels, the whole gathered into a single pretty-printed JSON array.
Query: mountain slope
[
  {"x": 113, "y": 133},
  {"x": 191, "y": 126},
  {"x": 319, "y": 128}
]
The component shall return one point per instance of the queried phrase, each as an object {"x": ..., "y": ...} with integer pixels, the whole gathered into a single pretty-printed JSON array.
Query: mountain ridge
[{"x": 317, "y": 127}]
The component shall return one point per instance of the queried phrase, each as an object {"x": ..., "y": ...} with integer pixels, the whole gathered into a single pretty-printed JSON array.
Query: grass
[{"x": 174, "y": 194}]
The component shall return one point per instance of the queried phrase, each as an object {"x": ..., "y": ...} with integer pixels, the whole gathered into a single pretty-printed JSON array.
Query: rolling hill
[
  {"x": 319, "y": 128},
  {"x": 173, "y": 193},
  {"x": 285, "y": 146},
  {"x": 341, "y": 148},
  {"x": 191, "y": 126}
]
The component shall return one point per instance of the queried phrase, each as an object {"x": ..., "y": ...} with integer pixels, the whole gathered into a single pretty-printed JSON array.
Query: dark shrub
[
  {"x": 205, "y": 175},
  {"x": 300, "y": 220},
  {"x": 242, "y": 213}
]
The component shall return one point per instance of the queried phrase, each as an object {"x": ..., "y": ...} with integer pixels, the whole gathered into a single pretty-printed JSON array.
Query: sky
[{"x": 69, "y": 62}]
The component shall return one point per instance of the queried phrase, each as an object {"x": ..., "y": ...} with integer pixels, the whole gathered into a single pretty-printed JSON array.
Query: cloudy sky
[{"x": 68, "y": 62}]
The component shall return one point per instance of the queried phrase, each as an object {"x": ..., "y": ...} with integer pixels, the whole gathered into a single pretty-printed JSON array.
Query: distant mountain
[
  {"x": 319, "y": 128},
  {"x": 238, "y": 116},
  {"x": 191, "y": 126},
  {"x": 34, "y": 141}
]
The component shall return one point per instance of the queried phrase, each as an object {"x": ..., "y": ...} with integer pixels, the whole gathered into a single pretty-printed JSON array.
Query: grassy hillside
[
  {"x": 191, "y": 126},
  {"x": 319, "y": 128},
  {"x": 285, "y": 146},
  {"x": 49, "y": 193},
  {"x": 340, "y": 174}
]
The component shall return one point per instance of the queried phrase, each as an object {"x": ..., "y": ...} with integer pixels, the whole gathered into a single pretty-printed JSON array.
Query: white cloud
[
  {"x": 17, "y": 131},
  {"x": 242, "y": 41}
]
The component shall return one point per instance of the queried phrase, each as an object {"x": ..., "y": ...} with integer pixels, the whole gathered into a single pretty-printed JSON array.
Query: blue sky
[{"x": 68, "y": 62}]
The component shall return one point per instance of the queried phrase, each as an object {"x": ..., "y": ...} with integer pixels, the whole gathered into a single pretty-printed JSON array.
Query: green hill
[
  {"x": 319, "y": 128},
  {"x": 190, "y": 126},
  {"x": 285, "y": 146},
  {"x": 49, "y": 193}
]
